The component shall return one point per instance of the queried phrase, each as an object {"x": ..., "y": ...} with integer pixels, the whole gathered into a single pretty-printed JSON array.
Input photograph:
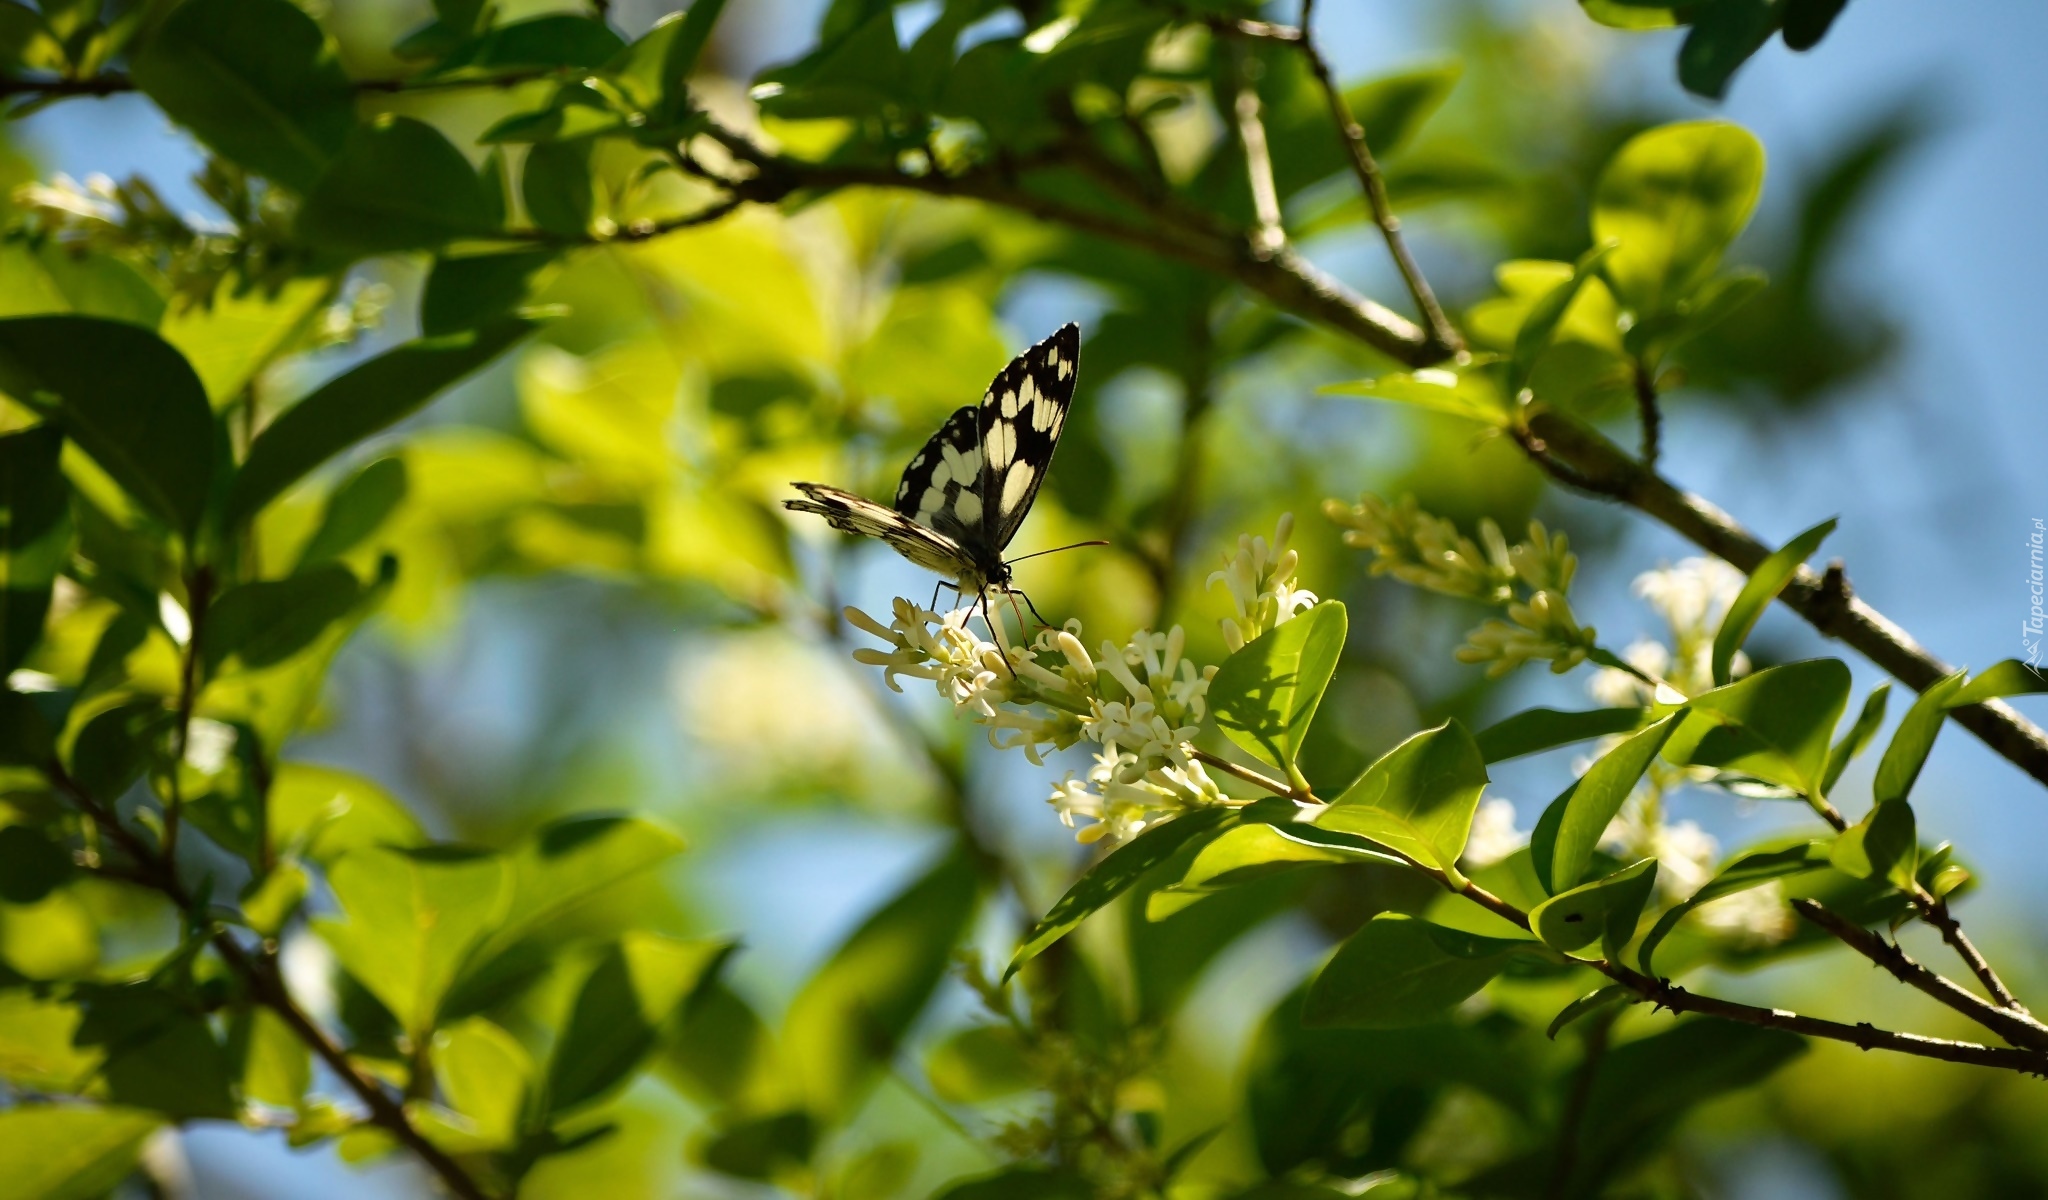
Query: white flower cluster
[
  {"x": 1142, "y": 702},
  {"x": 1693, "y": 598},
  {"x": 1260, "y": 578}
]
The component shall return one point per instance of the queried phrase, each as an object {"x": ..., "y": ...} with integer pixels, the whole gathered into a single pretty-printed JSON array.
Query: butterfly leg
[
  {"x": 1043, "y": 623},
  {"x": 934, "y": 605}
]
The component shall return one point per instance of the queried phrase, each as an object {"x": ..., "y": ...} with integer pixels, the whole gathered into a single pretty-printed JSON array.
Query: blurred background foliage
[{"x": 599, "y": 605}]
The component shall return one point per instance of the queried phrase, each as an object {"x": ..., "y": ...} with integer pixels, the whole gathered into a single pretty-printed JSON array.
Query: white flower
[
  {"x": 1260, "y": 580},
  {"x": 208, "y": 744},
  {"x": 1494, "y": 836},
  {"x": 1750, "y": 920},
  {"x": 1693, "y": 596}
]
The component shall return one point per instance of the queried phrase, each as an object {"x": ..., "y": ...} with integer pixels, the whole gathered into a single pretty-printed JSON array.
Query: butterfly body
[{"x": 966, "y": 492}]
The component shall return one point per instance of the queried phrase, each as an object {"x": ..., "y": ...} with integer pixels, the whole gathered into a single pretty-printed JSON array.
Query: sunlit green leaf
[
  {"x": 1763, "y": 586},
  {"x": 329, "y": 812},
  {"x": 1418, "y": 798},
  {"x": 1246, "y": 853},
  {"x": 413, "y": 916},
  {"x": 355, "y": 511},
  {"x": 1399, "y": 971},
  {"x": 1913, "y": 740},
  {"x": 1265, "y": 695},
  {"x": 1853, "y": 742},
  {"x": 1537, "y": 729},
  {"x": 276, "y": 1066},
  {"x": 1884, "y": 845},
  {"x": 1023, "y": 1182},
  {"x": 1739, "y": 874},
  {"x": 69, "y": 1152},
  {"x": 1774, "y": 725},
  {"x": 1540, "y": 326},
  {"x": 485, "y": 1074},
  {"x": 1590, "y": 1003},
  {"x": 1674, "y": 197},
  {"x": 2009, "y": 678},
  {"x": 1604, "y": 910},
  {"x": 1562, "y": 844},
  {"x": 1471, "y": 392},
  {"x": 1114, "y": 875}
]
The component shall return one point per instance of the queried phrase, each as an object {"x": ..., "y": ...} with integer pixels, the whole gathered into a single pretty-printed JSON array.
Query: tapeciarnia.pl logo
[{"x": 2031, "y": 628}]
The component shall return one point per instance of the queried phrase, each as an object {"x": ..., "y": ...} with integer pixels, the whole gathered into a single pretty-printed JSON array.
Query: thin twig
[
  {"x": 1582, "y": 457},
  {"x": 2018, "y": 1028},
  {"x": 267, "y": 988},
  {"x": 1935, "y": 912},
  {"x": 1268, "y": 235},
  {"x": 1444, "y": 336},
  {"x": 1652, "y": 418},
  {"x": 1665, "y": 994},
  {"x": 112, "y": 83},
  {"x": 1247, "y": 774}
]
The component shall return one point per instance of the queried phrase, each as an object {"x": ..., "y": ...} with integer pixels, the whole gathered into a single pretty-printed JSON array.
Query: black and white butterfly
[{"x": 965, "y": 493}]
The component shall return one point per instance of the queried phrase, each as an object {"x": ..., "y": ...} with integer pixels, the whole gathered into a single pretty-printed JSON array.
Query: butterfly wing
[
  {"x": 845, "y": 511},
  {"x": 941, "y": 487},
  {"x": 1020, "y": 420}
]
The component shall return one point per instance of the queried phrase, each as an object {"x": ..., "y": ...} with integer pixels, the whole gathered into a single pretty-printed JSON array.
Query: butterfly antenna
[{"x": 1057, "y": 549}]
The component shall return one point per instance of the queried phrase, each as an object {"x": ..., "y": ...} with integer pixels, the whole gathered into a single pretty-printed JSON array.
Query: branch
[
  {"x": 2018, "y": 1028},
  {"x": 1269, "y": 235},
  {"x": 1582, "y": 457},
  {"x": 111, "y": 83},
  {"x": 1665, "y": 994},
  {"x": 1935, "y": 912},
  {"x": 1646, "y": 407},
  {"x": 1443, "y": 336},
  {"x": 267, "y": 988}
]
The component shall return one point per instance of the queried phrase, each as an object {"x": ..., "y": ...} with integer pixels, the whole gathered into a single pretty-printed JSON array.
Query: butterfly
[{"x": 964, "y": 494}]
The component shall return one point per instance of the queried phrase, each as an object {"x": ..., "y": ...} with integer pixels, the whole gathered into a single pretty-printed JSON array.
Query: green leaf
[
  {"x": 1265, "y": 695},
  {"x": 1884, "y": 845},
  {"x": 269, "y": 902},
  {"x": 32, "y": 864},
  {"x": 1723, "y": 37},
  {"x": 1914, "y": 739},
  {"x": 69, "y": 1152},
  {"x": 1418, "y": 798},
  {"x": 1604, "y": 910},
  {"x": 1739, "y": 874},
  {"x": 845, "y": 1025},
  {"x": 1644, "y": 1087},
  {"x": 362, "y": 401},
  {"x": 1241, "y": 855},
  {"x": 635, "y": 992},
  {"x": 276, "y": 1067},
  {"x": 256, "y": 80},
  {"x": 1807, "y": 21},
  {"x": 555, "y": 40},
  {"x": 1472, "y": 392},
  {"x": 486, "y": 1075},
  {"x": 2009, "y": 678},
  {"x": 1115, "y": 874},
  {"x": 1774, "y": 725},
  {"x": 160, "y": 1051},
  {"x": 556, "y": 187},
  {"x": 324, "y": 813},
  {"x": 266, "y": 622},
  {"x": 1024, "y": 1182},
  {"x": 397, "y": 185},
  {"x": 1540, "y": 326},
  {"x": 1762, "y": 587},
  {"x": 355, "y": 511},
  {"x": 1399, "y": 971},
  {"x": 35, "y": 536},
  {"x": 413, "y": 918},
  {"x": 569, "y": 860},
  {"x": 763, "y": 1147},
  {"x": 1538, "y": 729},
  {"x": 979, "y": 1063},
  {"x": 1562, "y": 845},
  {"x": 126, "y": 397},
  {"x": 463, "y": 293},
  {"x": 1590, "y": 1003},
  {"x": 654, "y": 71},
  {"x": 1674, "y": 197},
  {"x": 1858, "y": 737}
]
